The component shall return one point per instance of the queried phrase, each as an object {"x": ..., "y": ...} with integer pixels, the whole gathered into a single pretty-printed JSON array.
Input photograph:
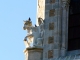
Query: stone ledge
[{"x": 33, "y": 48}]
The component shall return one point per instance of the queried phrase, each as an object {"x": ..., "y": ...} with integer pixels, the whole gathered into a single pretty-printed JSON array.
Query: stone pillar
[
  {"x": 64, "y": 27},
  {"x": 40, "y": 10},
  {"x": 33, "y": 53},
  {"x": 52, "y": 25}
]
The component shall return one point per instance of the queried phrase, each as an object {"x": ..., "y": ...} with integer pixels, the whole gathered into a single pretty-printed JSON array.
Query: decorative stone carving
[
  {"x": 41, "y": 31},
  {"x": 27, "y": 41},
  {"x": 65, "y": 3},
  {"x": 27, "y": 25},
  {"x": 50, "y": 54},
  {"x": 39, "y": 41},
  {"x": 51, "y": 26},
  {"x": 40, "y": 20},
  {"x": 50, "y": 40},
  {"x": 35, "y": 34},
  {"x": 28, "y": 22},
  {"x": 51, "y": 12}
]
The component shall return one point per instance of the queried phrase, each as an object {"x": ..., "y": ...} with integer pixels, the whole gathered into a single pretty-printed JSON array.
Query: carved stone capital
[{"x": 65, "y": 3}]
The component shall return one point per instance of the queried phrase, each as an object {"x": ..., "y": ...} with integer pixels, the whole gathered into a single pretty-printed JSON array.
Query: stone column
[
  {"x": 64, "y": 27},
  {"x": 33, "y": 53},
  {"x": 40, "y": 10}
]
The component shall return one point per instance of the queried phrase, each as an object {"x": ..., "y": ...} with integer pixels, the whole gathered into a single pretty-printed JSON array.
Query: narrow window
[
  {"x": 51, "y": 26},
  {"x": 52, "y": 1},
  {"x": 50, "y": 54},
  {"x": 50, "y": 40},
  {"x": 51, "y": 12}
]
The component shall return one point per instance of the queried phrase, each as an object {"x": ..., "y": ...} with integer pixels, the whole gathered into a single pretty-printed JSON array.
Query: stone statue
[
  {"x": 27, "y": 42},
  {"x": 35, "y": 33},
  {"x": 27, "y": 25},
  {"x": 40, "y": 20}
]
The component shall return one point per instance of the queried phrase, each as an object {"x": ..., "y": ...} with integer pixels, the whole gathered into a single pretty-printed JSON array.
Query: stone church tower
[{"x": 52, "y": 36}]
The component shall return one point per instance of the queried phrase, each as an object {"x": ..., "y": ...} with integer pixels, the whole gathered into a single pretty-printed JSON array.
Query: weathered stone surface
[
  {"x": 56, "y": 53},
  {"x": 40, "y": 8},
  {"x": 56, "y": 46},
  {"x": 51, "y": 6},
  {"x": 63, "y": 52},
  {"x": 50, "y": 1},
  {"x": 33, "y": 53},
  {"x": 48, "y": 7}
]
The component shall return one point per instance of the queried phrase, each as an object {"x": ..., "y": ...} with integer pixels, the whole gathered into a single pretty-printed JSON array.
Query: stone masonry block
[{"x": 33, "y": 53}]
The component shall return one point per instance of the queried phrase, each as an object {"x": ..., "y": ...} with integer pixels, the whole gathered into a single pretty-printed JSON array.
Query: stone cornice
[{"x": 32, "y": 48}]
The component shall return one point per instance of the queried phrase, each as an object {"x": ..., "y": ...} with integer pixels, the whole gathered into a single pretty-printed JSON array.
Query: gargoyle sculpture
[{"x": 35, "y": 33}]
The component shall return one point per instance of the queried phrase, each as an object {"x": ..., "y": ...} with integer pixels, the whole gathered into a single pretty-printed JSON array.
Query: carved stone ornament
[
  {"x": 65, "y": 3},
  {"x": 51, "y": 26},
  {"x": 50, "y": 54},
  {"x": 27, "y": 42},
  {"x": 28, "y": 22},
  {"x": 34, "y": 35},
  {"x": 40, "y": 20}
]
